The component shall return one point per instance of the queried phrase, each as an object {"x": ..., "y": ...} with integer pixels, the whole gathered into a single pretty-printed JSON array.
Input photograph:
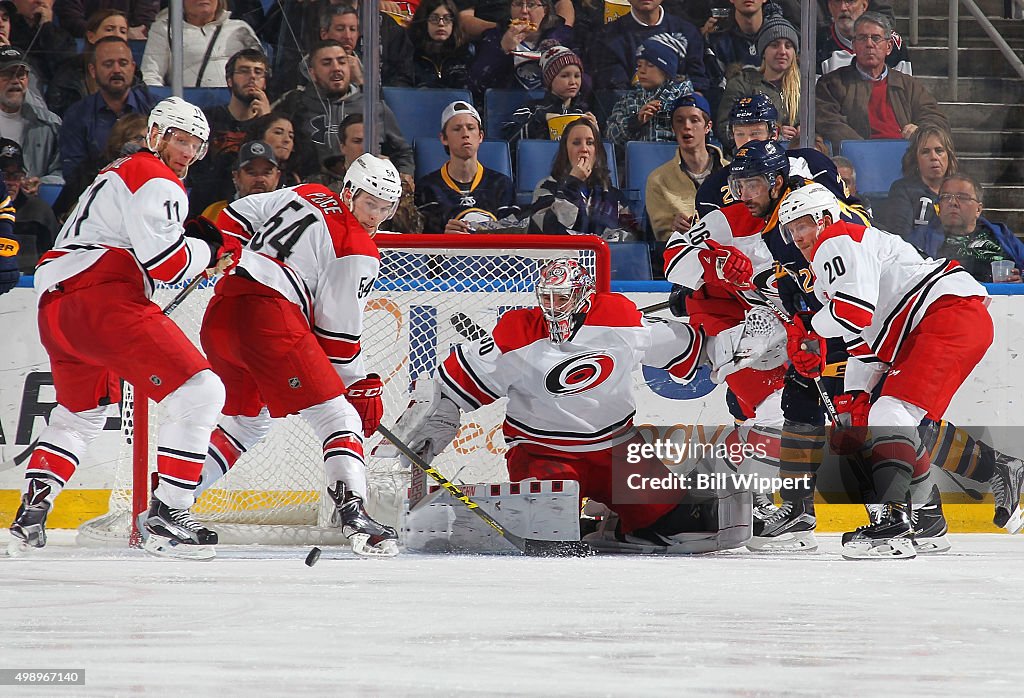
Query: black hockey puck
[{"x": 313, "y": 556}]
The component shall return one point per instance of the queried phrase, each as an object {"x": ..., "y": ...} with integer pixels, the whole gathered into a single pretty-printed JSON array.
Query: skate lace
[
  {"x": 783, "y": 513},
  {"x": 886, "y": 508},
  {"x": 183, "y": 518},
  {"x": 1000, "y": 490}
]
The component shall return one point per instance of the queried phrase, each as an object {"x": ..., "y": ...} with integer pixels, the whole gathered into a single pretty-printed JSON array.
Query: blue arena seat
[
  {"x": 631, "y": 261},
  {"x": 418, "y": 110},
  {"x": 202, "y": 97},
  {"x": 430, "y": 156},
  {"x": 642, "y": 158},
  {"x": 500, "y": 105},
  {"x": 50, "y": 192},
  {"x": 138, "y": 47},
  {"x": 877, "y": 163},
  {"x": 533, "y": 164}
]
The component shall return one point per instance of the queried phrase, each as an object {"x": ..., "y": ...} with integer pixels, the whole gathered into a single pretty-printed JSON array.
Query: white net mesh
[{"x": 273, "y": 494}]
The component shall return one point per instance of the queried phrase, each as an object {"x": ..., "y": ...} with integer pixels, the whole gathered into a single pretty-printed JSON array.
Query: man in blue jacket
[{"x": 962, "y": 234}]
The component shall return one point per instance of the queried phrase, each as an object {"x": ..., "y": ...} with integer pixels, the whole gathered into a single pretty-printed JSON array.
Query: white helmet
[
  {"x": 814, "y": 200},
  {"x": 174, "y": 112},
  {"x": 376, "y": 176},
  {"x": 568, "y": 278}
]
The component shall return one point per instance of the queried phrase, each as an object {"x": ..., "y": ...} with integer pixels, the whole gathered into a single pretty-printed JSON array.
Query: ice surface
[{"x": 257, "y": 622}]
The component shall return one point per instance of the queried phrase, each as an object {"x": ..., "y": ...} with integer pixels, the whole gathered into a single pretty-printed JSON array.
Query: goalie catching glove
[
  {"x": 220, "y": 245},
  {"x": 366, "y": 396},
  {"x": 850, "y": 434},
  {"x": 805, "y": 346},
  {"x": 727, "y": 264}
]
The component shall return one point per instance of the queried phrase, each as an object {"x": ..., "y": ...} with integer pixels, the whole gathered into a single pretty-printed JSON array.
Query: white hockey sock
[
  {"x": 191, "y": 412},
  {"x": 62, "y": 444},
  {"x": 232, "y": 437},
  {"x": 340, "y": 430}
]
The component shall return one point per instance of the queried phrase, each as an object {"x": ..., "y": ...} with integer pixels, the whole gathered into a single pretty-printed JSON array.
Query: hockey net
[{"x": 426, "y": 289}]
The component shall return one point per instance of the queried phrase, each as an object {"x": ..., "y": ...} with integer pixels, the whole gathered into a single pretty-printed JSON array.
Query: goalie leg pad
[
  {"x": 429, "y": 423},
  {"x": 536, "y": 509}
]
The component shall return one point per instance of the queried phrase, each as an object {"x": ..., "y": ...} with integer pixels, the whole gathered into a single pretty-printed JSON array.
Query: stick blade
[{"x": 556, "y": 548}]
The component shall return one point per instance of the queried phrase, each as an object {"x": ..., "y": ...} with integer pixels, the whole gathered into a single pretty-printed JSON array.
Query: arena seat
[
  {"x": 50, "y": 192},
  {"x": 418, "y": 110},
  {"x": 202, "y": 97},
  {"x": 877, "y": 163},
  {"x": 631, "y": 261},
  {"x": 642, "y": 158},
  {"x": 430, "y": 155}
]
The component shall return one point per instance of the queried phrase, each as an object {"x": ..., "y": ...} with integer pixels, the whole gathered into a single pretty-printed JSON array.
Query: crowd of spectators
[{"x": 73, "y": 97}]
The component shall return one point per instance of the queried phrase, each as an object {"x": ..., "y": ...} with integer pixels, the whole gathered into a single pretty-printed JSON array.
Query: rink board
[{"x": 988, "y": 399}]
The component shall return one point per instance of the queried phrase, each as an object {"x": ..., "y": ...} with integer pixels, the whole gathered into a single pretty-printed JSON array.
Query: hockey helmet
[
  {"x": 376, "y": 176},
  {"x": 758, "y": 159},
  {"x": 564, "y": 292},
  {"x": 755, "y": 109},
  {"x": 176, "y": 113},
  {"x": 812, "y": 200}
]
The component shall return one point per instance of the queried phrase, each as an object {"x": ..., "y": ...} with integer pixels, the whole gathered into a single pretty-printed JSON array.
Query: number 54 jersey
[{"x": 303, "y": 243}]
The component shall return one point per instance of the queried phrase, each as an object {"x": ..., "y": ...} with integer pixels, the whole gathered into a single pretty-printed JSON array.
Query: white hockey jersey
[
  {"x": 876, "y": 287},
  {"x": 573, "y": 396},
  {"x": 135, "y": 207},
  {"x": 303, "y": 243}
]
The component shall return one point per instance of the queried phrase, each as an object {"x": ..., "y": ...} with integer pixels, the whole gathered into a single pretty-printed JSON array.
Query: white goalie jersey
[
  {"x": 303, "y": 243},
  {"x": 576, "y": 395}
]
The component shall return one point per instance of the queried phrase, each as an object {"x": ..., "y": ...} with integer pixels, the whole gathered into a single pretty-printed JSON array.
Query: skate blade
[
  {"x": 803, "y": 541},
  {"x": 894, "y": 549},
  {"x": 932, "y": 546},
  {"x": 361, "y": 546},
  {"x": 1014, "y": 522},
  {"x": 696, "y": 546},
  {"x": 171, "y": 549},
  {"x": 19, "y": 548}
]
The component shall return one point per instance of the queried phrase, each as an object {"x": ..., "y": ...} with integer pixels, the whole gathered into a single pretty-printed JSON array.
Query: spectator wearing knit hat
[
  {"x": 778, "y": 78},
  {"x": 643, "y": 114},
  {"x": 562, "y": 73},
  {"x": 672, "y": 187}
]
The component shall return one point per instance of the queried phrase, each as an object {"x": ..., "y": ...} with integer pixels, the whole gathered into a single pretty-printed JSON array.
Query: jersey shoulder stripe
[
  {"x": 613, "y": 310},
  {"x": 140, "y": 169},
  {"x": 348, "y": 236},
  {"x": 741, "y": 221},
  {"x": 519, "y": 328},
  {"x": 838, "y": 230}
]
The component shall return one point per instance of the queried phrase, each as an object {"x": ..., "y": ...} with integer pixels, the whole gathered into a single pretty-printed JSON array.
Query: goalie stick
[{"x": 527, "y": 546}]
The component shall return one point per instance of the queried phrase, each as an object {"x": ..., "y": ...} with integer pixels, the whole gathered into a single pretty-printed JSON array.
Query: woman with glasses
[
  {"x": 508, "y": 56},
  {"x": 913, "y": 199},
  {"x": 442, "y": 54}
]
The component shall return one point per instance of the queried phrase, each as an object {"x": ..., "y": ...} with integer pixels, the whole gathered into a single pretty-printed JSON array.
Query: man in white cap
[{"x": 463, "y": 192}]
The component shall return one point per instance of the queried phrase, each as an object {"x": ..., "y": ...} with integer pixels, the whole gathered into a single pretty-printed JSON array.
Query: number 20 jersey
[{"x": 303, "y": 243}]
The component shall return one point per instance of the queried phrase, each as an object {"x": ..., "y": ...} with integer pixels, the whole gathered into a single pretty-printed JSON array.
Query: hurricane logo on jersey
[{"x": 579, "y": 373}]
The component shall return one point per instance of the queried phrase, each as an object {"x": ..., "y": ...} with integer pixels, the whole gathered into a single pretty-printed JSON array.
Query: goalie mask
[{"x": 564, "y": 293}]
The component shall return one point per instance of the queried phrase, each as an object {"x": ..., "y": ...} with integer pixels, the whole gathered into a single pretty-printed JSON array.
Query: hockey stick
[{"x": 527, "y": 546}]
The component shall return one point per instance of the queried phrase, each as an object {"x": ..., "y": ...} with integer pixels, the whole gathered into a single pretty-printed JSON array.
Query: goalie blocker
[{"x": 566, "y": 367}]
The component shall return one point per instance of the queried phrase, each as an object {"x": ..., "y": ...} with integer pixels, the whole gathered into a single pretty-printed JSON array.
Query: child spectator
[
  {"x": 562, "y": 73},
  {"x": 643, "y": 114}
]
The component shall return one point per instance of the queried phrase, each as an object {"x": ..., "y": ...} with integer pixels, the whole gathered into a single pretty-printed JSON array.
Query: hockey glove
[
  {"x": 677, "y": 300},
  {"x": 366, "y": 396},
  {"x": 849, "y": 435},
  {"x": 220, "y": 244},
  {"x": 9, "y": 273},
  {"x": 806, "y": 347},
  {"x": 727, "y": 264}
]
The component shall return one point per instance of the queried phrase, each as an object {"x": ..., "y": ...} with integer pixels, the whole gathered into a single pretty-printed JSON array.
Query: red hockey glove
[
  {"x": 806, "y": 348},
  {"x": 852, "y": 431},
  {"x": 728, "y": 264},
  {"x": 232, "y": 246},
  {"x": 366, "y": 396}
]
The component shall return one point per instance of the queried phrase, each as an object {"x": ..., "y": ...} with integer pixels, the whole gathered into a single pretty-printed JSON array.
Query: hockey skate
[
  {"x": 1007, "y": 483},
  {"x": 790, "y": 528},
  {"x": 174, "y": 533},
  {"x": 367, "y": 537},
  {"x": 764, "y": 507},
  {"x": 892, "y": 536},
  {"x": 29, "y": 528},
  {"x": 930, "y": 527}
]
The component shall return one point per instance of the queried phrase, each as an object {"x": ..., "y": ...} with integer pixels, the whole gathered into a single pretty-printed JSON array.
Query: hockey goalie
[{"x": 566, "y": 367}]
